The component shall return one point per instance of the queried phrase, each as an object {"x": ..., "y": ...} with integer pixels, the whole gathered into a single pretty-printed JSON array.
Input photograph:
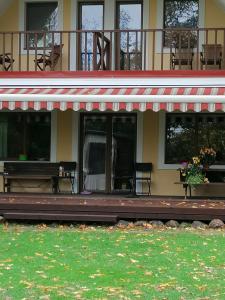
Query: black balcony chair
[
  {"x": 68, "y": 173},
  {"x": 145, "y": 169},
  {"x": 181, "y": 57},
  {"x": 6, "y": 61},
  {"x": 211, "y": 55}
]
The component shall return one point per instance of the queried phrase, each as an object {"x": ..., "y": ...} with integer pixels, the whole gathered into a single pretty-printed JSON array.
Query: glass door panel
[
  {"x": 123, "y": 150},
  {"x": 94, "y": 153},
  {"x": 91, "y": 17},
  {"x": 129, "y": 41}
]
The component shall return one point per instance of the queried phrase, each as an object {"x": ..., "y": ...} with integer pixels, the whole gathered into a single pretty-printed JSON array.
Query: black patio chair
[{"x": 145, "y": 169}]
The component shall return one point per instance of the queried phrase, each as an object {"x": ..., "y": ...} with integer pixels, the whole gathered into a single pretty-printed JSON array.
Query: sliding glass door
[{"x": 108, "y": 151}]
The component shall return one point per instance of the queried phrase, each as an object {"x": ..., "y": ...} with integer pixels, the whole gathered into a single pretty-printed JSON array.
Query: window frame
[
  {"x": 117, "y": 26},
  {"x": 160, "y": 24},
  {"x": 80, "y": 4},
  {"x": 109, "y": 24},
  {"x": 164, "y": 8},
  {"x": 127, "y": 2},
  {"x": 53, "y": 139},
  {"x": 162, "y": 144},
  {"x": 22, "y": 22}
]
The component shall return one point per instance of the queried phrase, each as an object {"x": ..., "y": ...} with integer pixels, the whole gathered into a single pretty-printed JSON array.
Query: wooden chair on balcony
[
  {"x": 211, "y": 55},
  {"x": 50, "y": 59},
  {"x": 6, "y": 61},
  {"x": 101, "y": 52},
  {"x": 181, "y": 57}
]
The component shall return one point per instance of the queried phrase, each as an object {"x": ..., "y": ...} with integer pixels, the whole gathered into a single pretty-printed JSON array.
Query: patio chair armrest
[
  {"x": 5, "y": 54},
  {"x": 42, "y": 55}
]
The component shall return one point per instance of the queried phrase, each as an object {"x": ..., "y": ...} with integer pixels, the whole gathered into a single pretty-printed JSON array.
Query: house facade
[{"x": 109, "y": 83}]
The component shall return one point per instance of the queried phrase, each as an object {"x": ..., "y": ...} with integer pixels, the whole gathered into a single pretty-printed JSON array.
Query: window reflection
[{"x": 187, "y": 133}]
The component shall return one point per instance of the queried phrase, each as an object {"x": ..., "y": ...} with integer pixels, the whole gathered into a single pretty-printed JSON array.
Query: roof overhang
[{"x": 115, "y": 91}]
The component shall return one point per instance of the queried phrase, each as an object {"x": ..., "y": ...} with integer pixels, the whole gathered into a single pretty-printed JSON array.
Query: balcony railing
[{"x": 151, "y": 49}]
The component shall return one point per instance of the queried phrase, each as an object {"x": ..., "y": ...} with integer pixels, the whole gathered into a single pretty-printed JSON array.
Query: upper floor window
[
  {"x": 181, "y": 14},
  {"x": 41, "y": 17},
  {"x": 129, "y": 41},
  {"x": 187, "y": 133},
  {"x": 91, "y": 17}
]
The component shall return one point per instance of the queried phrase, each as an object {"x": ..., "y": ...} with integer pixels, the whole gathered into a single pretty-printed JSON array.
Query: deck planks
[{"x": 107, "y": 207}]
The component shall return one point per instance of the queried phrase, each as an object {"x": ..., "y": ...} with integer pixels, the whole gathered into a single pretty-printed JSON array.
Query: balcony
[{"x": 150, "y": 49}]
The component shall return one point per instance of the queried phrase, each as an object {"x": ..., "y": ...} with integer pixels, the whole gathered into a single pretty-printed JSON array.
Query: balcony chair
[
  {"x": 145, "y": 171},
  {"x": 211, "y": 55},
  {"x": 101, "y": 52},
  {"x": 6, "y": 61},
  {"x": 181, "y": 57},
  {"x": 49, "y": 60}
]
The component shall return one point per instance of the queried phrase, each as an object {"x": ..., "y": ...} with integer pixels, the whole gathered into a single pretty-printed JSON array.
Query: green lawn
[{"x": 38, "y": 262}]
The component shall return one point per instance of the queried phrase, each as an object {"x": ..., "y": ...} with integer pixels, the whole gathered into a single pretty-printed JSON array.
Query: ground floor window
[
  {"x": 186, "y": 133},
  {"x": 25, "y": 136}
]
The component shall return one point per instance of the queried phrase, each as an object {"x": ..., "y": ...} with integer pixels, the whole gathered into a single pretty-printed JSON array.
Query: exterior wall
[
  {"x": 64, "y": 135},
  {"x": 10, "y": 21},
  {"x": 163, "y": 180}
]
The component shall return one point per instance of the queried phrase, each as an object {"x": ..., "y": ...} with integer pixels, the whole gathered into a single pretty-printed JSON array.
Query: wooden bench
[
  {"x": 37, "y": 171},
  {"x": 189, "y": 187}
]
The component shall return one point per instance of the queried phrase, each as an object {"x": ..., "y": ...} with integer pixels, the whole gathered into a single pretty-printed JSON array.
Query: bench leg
[
  {"x": 185, "y": 186},
  {"x": 7, "y": 185},
  {"x": 189, "y": 190},
  {"x": 55, "y": 185}
]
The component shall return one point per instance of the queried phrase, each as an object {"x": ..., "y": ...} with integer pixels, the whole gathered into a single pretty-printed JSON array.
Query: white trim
[
  {"x": 53, "y": 149},
  {"x": 169, "y": 99},
  {"x": 161, "y": 147},
  {"x": 139, "y": 146},
  {"x": 22, "y": 19},
  {"x": 159, "y": 24},
  {"x": 113, "y": 82},
  {"x": 75, "y": 146}
]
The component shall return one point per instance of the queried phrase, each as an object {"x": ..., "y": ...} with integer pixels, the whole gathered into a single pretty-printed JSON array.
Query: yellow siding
[
  {"x": 64, "y": 135},
  {"x": 214, "y": 14}
]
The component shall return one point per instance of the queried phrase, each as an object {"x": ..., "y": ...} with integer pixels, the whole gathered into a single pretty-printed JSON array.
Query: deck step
[{"x": 59, "y": 217}]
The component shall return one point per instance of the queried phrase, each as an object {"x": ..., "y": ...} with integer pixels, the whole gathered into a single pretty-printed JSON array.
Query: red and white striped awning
[
  {"x": 114, "y": 90},
  {"x": 114, "y": 98}
]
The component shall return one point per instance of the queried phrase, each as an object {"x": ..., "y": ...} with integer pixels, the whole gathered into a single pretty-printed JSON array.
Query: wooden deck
[{"x": 107, "y": 208}]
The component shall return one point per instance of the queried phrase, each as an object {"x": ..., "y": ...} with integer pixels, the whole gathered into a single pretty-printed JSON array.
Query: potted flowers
[
  {"x": 195, "y": 171},
  {"x": 192, "y": 172},
  {"x": 207, "y": 157}
]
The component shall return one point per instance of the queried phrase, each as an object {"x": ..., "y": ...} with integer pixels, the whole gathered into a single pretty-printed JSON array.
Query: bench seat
[{"x": 30, "y": 171}]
